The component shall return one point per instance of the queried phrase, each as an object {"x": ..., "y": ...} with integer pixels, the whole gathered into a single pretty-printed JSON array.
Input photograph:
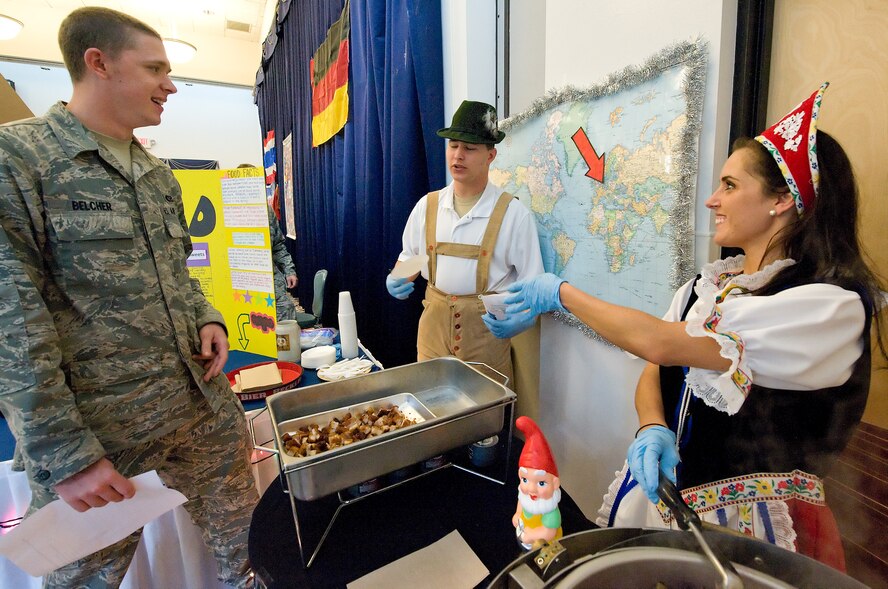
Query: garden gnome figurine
[{"x": 537, "y": 518}]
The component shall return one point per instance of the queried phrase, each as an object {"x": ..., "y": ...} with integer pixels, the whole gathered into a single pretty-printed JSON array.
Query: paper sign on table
[
  {"x": 56, "y": 534},
  {"x": 449, "y": 563}
]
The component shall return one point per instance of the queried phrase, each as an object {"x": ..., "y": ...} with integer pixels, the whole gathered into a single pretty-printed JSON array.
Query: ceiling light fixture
[
  {"x": 9, "y": 27},
  {"x": 179, "y": 51}
]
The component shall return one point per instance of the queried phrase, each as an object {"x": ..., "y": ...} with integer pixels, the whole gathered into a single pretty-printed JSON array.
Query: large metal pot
[
  {"x": 634, "y": 558},
  {"x": 699, "y": 557}
]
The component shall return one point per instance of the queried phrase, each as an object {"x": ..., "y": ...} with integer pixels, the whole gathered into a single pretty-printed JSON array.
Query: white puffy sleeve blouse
[{"x": 803, "y": 338}]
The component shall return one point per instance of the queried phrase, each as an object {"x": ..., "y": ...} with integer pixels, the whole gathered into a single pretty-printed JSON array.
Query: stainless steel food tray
[
  {"x": 408, "y": 404},
  {"x": 463, "y": 406}
]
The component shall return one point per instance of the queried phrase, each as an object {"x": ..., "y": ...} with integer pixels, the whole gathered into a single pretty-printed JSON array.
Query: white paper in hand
[
  {"x": 56, "y": 534},
  {"x": 410, "y": 266}
]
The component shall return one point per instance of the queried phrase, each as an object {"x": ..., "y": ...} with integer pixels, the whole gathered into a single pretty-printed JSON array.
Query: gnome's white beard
[{"x": 540, "y": 506}]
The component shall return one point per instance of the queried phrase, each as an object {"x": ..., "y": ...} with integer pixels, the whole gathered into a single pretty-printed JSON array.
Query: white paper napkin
[
  {"x": 495, "y": 304},
  {"x": 449, "y": 563},
  {"x": 56, "y": 534},
  {"x": 410, "y": 266}
]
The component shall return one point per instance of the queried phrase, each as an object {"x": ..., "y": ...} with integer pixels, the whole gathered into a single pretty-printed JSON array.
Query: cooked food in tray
[{"x": 313, "y": 439}]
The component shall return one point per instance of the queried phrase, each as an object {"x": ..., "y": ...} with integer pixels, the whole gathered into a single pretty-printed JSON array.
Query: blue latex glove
[
  {"x": 653, "y": 446},
  {"x": 512, "y": 325},
  {"x": 537, "y": 295},
  {"x": 399, "y": 288}
]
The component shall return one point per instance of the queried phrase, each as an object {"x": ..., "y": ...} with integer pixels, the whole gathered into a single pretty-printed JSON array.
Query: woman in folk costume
[{"x": 759, "y": 372}]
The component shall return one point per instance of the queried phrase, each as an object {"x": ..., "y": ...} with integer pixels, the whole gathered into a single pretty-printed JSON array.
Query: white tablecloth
[{"x": 171, "y": 554}]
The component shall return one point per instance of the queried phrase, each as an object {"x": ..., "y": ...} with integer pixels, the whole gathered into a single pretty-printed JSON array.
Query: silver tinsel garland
[{"x": 693, "y": 56}]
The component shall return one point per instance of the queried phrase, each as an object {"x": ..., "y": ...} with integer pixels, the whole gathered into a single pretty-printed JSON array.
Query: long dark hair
[{"x": 823, "y": 242}]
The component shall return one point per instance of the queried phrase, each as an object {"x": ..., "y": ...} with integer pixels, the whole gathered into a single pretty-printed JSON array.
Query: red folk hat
[
  {"x": 536, "y": 453},
  {"x": 793, "y": 144}
]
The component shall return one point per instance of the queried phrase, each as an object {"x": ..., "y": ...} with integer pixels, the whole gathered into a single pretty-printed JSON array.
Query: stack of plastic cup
[{"x": 348, "y": 329}]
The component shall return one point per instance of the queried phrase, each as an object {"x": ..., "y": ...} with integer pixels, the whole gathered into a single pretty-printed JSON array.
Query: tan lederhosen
[{"x": 451, "y": 325}]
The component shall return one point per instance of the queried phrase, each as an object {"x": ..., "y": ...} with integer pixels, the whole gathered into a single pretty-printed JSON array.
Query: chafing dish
[{"x": 458, "y": 404}]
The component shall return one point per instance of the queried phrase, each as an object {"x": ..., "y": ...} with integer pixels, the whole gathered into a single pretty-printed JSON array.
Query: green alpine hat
[{"x": 473, "y": 122}]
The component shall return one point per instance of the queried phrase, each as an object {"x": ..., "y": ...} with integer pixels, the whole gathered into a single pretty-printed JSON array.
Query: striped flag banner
[
  {"x": 268, "y": 158},
  {"x": 329, "y": 81}
]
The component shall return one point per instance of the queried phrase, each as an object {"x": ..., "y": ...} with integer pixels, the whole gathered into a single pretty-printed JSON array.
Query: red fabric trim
[
  {"x": 322, "y": 94},
  {"x": 276, "y": 204},
  {"x": 328, "y": 52},
  {"x": 817, "y": 534}
]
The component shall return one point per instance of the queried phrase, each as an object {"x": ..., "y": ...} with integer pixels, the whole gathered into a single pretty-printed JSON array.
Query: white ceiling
[{"x": 225, "y": 54}]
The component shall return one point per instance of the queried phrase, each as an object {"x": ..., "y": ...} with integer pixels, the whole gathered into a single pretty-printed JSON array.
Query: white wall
[
  {"x": 232, "y": 58},
  {"x": 200, "y": 121},
  {"x": 587, "y": 388},
  {"x": 469, "y": 40},
  {"x": 527, "y": 53}
]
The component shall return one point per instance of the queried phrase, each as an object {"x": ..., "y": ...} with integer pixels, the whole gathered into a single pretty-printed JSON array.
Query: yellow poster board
[{"x": 227, "y": 218}]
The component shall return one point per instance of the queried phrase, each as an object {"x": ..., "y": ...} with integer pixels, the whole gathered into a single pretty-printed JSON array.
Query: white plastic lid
[{"x": 319, "y": 356}]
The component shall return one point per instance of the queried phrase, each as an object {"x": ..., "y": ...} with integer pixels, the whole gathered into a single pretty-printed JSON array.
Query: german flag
[{"x": 329, "y": 81}]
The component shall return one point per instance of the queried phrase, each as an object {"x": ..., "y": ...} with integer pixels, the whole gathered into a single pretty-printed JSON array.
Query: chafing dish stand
[{"x": 450, "y": 425}]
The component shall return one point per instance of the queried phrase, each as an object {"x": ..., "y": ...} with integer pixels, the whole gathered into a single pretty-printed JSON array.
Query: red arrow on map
[{"x": 592, "y": 159}]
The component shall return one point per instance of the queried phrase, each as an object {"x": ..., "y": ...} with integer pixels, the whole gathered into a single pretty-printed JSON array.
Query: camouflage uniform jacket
[
  {"x": 283, "y": 262},
  {"x": 98, "y": 316}
]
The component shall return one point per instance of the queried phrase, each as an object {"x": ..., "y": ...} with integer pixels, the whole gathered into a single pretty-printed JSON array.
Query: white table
[{"x": 171, "y": 552}]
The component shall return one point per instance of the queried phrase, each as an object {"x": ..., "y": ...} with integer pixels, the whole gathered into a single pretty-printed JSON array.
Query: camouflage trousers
[
  {"x": 208, "y": 461},
  {"x": 286, "y": 310}
]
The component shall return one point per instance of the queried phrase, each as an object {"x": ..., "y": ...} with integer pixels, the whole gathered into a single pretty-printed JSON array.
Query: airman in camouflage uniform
[
  {"x": 284, "y": 270},
  {"x": 110, "y": 356}
]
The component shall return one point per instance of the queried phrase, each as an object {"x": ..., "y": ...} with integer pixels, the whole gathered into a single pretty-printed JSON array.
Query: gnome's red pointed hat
[
  {"x": 536, "y": 453},
  {"x": 792, "y": 143}
]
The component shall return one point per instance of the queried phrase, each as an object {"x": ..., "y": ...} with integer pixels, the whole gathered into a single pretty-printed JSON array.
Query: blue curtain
[{"x": 353, "y": 194}]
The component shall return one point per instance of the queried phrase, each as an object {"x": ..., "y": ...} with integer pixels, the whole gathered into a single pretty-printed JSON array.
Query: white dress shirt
[{"x": 516, "y": 255}]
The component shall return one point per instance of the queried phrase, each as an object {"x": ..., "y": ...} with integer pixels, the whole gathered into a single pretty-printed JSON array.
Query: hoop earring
[{"x": 772, "y": 212}]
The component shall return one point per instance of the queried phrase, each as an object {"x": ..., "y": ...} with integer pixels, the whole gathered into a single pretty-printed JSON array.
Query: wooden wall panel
[
  {"x": 12, "y": 108},
  {"x": 845, "y": 43},
  {"x": 857, "y": 493}
]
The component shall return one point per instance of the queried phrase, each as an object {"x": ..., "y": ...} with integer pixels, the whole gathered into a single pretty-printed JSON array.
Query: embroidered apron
[{"x": 451, "y": 325}]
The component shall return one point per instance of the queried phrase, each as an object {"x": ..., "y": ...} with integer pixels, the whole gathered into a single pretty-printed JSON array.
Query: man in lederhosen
[{"x": 479, "y": 240}]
